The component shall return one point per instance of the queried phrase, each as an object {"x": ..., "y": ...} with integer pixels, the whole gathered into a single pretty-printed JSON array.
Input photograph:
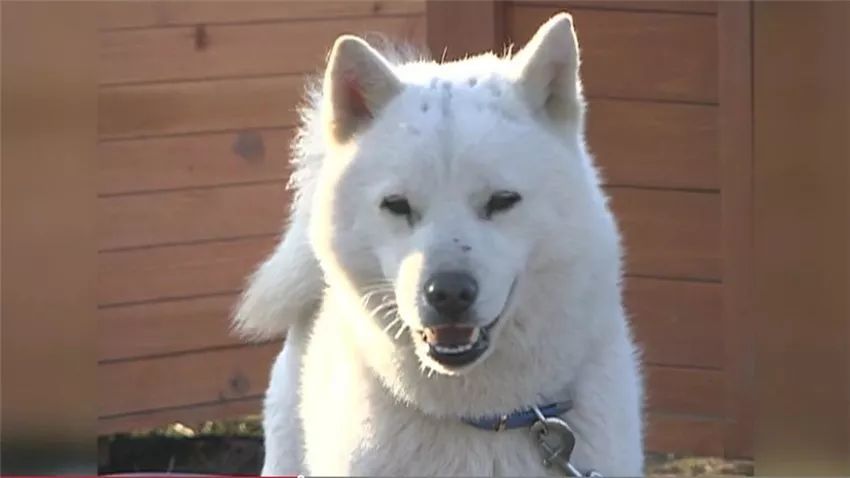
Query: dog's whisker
[
  {"x": 388, "y": 297},
  {"x": 392, "y": 324},
  {"x": 366, "y": 298},
  {"x": 384, "y": 301},
  {"x": 385, "y": 285},
  {"x": 400, "y": 331},
  {"x": 376, "y": 290},
  {"x": 384, "y": 307}
]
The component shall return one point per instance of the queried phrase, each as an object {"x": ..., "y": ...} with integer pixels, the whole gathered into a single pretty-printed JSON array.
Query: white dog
[{"x": 450, "y": 265}]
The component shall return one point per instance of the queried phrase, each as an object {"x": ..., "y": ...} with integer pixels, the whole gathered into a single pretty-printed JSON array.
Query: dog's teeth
[
  {"x": 447, "y": 349},
  {"x": 476, "y": 332}
]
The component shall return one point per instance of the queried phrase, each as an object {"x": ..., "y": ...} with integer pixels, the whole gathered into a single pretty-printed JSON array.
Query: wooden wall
[
  {"x": 196, "y": 107},
  {"x": 668, "y": 87}
]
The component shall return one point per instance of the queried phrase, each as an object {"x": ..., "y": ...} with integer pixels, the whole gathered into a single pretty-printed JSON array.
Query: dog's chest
[
  {"x": 352, "y": 426},
  {"x": 420, "y": 449},
  {"x": 384, "y": 439}
]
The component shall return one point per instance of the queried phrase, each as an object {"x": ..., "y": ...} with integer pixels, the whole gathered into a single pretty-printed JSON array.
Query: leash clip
[{"x": 556, "y": 442}]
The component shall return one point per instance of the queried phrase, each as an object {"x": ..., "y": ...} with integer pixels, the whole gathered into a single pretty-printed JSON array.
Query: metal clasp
[{"x": 556, "y": 442}]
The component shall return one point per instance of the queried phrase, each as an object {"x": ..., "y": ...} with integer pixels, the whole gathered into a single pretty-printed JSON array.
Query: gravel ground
[{"x": 236, "y": 447}]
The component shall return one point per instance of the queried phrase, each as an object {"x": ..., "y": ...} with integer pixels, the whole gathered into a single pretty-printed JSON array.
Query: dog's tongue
[{"x": 450, "y": 335}]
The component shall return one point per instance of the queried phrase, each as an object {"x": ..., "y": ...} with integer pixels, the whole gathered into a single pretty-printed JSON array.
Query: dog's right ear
[{"x": 358, "y": 83}]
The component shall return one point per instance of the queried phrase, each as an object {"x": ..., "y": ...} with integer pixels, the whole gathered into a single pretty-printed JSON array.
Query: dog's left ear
[
  {"x": 358, "y": 84},
  {"x": 547, "y": 71}
]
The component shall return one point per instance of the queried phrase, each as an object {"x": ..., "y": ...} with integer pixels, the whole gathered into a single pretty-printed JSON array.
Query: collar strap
[{"x": 518, "y": 419}]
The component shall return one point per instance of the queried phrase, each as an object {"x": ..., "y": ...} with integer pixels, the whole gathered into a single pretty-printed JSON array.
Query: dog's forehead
[
  {"x": 448, "y": 107},
  {"x": 450, "y": 116},
  {"x": 477, "y": 84}
]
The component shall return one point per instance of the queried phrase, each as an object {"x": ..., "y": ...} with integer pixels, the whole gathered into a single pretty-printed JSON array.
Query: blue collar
[{"x": 518, "y": 419}]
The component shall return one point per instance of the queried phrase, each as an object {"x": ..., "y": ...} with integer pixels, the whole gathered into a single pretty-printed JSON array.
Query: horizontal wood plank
[
  {"x": 676, "y": 322},
  {"x": 668, "y": 233},
  {"x": 674, "y": 234},
  {"x": 141, "y": 14},
  {"x": 635, "y": 143},
  {"x": 174, "y": 108},
  {"x": 160, "y": 328},
  {"x": 635, "y": 54},
  {"x": 238, "y": 50},
  {"x": 192, "y": 215},
  {"x": 185, "y": 379},
  {"x": 170, "y": 272},
  {"x": 686, "y": 391},
  {"x": 684, "y": 435},
  {"x": 192, "y": 414},
  {"x": 191, "y": 161},
  {"x": 654, "y": 144},
  {"x": 707, "y": 7}
]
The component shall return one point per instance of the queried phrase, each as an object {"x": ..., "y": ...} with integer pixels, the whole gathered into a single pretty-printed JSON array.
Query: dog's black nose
[{"x": 451, "y": 293}]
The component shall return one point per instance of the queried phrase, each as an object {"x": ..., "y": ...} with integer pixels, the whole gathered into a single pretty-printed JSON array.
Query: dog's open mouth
[{"x": 456, "y": 345}]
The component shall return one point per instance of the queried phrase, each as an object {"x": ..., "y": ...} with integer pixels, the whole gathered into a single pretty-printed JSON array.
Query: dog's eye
[
  {"x": 501, "y": 201},
  {"x": 397, "y": 205}
]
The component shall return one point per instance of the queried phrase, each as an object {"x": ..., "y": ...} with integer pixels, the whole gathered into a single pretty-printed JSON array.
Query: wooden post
[
  {"x": 801, "y": 263},
  {"x": 49, "y": 125},
  {"x": 735, "y": 131}
]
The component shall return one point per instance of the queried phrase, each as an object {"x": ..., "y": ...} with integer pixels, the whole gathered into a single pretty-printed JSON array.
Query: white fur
[{"x": 353, "y": 392}]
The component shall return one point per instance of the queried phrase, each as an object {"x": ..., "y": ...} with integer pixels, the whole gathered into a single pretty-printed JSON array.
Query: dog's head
[{"x": 451, "y": 190}]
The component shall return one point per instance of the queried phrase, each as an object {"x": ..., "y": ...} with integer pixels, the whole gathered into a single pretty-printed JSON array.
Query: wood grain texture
[
  {"x": 637, "y": 55},
  {"x": 171, "y": 272},
  {"x": 642, "y": 143},
  {"x": 635, "y": 142},
  {"x": 186, "y": 379},
  {"x": 674, "y": 234},
  {"x": 148, "y": 329},
  {"x": 192, "y": 215},
  {"x": 147, "y": 14},
  {"x": 192, "y": 161},
  {"x": 194, "y": 52},
  {"x": 174, "y": 108},
  {"x": 677, "y": 323}
]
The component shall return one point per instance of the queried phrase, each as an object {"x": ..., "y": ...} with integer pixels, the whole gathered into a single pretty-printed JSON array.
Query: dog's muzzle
[{"x": 449, "y": 330}]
